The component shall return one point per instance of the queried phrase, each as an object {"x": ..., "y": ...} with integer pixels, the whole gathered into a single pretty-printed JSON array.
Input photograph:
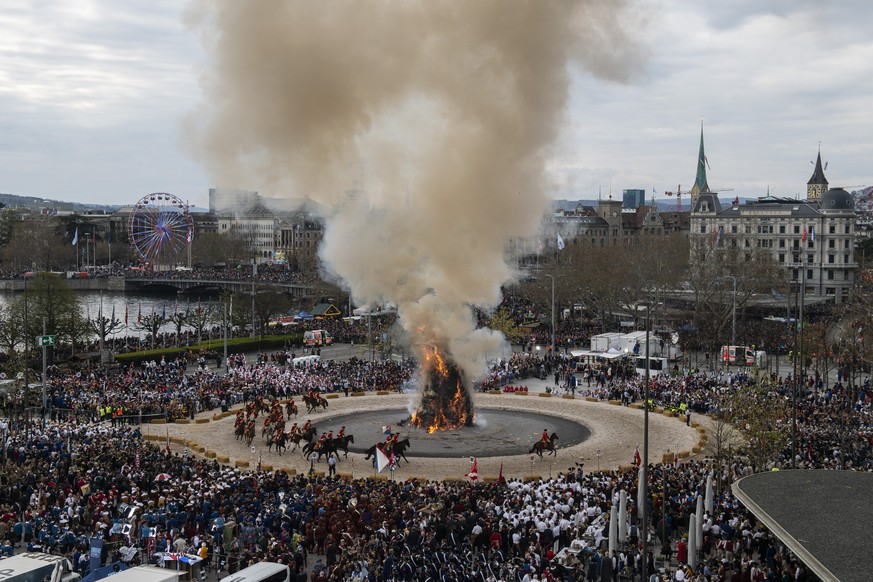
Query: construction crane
[{"x": 678, "y": 195}]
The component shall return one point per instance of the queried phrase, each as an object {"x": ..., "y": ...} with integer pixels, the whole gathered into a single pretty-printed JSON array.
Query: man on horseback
[
  {"x": 545, "y": 437},
  {"x": 341, "y": 433},
  {"x": 320, "y": 442},
  {"x": 293, "y": 430},
  {"x": 306, "y": 426}
]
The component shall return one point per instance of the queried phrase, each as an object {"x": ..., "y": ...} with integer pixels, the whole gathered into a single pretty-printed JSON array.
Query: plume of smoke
[{"x": 449, "y": 107}]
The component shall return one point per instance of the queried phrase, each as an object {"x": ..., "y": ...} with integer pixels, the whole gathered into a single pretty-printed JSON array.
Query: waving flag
[
  {"x": 386, "y": 430},
  {"x": 638, "y": 460},
  {"x": 560, "y": 242},
  {"x": 76, "y": 237},
  {"x": 803, "y": 236},
  {"x": 381, "y": 460},
  {"x": 474, "y": 472}
]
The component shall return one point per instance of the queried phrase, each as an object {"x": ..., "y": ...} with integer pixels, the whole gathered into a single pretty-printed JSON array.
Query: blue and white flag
[
  {"x": 76, "y": 237},
  {"x": 560, "y": 242}
]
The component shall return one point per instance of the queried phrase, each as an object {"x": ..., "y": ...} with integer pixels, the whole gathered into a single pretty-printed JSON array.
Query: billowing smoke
[{"x": 424, "y": 125}]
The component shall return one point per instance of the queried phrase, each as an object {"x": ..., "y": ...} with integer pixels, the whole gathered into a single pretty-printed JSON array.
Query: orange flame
[{"x": 445, "y": 415}]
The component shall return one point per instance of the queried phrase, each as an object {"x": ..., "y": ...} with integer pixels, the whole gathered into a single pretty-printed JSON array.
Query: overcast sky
[{"x": 93, "y": 95}]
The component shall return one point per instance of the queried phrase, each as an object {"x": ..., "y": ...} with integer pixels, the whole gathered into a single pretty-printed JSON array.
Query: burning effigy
[{"x": 445, "y": 401}]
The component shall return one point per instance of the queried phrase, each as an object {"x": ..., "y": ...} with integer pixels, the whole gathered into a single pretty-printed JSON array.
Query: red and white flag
[{"x": 474, "y": 472}]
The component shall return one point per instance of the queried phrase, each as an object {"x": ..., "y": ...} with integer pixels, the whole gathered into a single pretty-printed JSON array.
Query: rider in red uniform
[
  {"x": 545, "y": 437},
  {"x": 307, "y": 426},
  {"x": 293, "y": 428},
  {"x": 341, "y": 433},
  {"x": 320, "y": 442}
]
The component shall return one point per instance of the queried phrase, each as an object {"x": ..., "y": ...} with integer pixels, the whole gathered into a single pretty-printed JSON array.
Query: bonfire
[{"x": 445, "y": 402}]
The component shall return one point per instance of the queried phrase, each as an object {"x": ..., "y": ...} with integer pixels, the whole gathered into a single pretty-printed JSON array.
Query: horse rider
[
  {"x": 341, "y": 433},
  {"x": 294, "y": 429},
  {"x": 306, "y": 426},
  {"x": 329, "y": 436},
  {"x": 545, "y": 438},
  {"x": 320, "y": 442}
]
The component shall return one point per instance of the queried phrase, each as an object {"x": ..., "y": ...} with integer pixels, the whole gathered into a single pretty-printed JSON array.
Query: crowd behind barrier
[
  {"x": 62, "y": 483},
  {"x": 80, "y": 473}
]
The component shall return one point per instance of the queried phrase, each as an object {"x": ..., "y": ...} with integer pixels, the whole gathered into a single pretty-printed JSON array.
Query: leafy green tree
[{"x": 502, "y": 322}]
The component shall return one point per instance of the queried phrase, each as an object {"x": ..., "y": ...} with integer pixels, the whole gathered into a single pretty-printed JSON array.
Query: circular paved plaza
[{"x": 508, "y": 425}]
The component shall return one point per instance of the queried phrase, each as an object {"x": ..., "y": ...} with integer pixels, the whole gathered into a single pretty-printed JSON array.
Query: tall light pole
[
  {"x": 254, "y": 276},
  {"x": 733, "y": 311},
  {"x": 796, "y": 253},
  {"x": 644, "y": 482},
  {"x": 552, "y": 277}
]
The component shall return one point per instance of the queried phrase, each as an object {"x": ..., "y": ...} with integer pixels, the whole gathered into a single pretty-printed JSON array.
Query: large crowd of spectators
[{"x": 64, "y": 482}]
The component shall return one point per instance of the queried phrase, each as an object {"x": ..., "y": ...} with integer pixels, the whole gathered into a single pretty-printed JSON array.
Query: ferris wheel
[{"x": 161, "y": 227}]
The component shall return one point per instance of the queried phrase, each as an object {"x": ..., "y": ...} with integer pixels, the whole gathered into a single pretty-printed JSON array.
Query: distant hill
[{"x": 35, "y": 203}]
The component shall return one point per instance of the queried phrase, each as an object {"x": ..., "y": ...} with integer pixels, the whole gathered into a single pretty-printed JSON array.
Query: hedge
[{"x": 237, "y": 344}]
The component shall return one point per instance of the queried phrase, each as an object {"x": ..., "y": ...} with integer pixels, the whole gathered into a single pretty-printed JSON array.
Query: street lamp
[
  {"x": 796, "y": 252},
  {"x": 733, "y": 311},
  {"x": 552, "y": 277},
  {"x": 644, "y": 482}
]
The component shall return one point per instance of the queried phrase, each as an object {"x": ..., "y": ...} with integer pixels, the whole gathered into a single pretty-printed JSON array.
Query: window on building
[
  {"x": 848, "y": 229},
  {"x": 832, "y": 229},
  {"x": 796, "y": 229},
  {"x": 832, "y": 244},
  {"x": 830, "y": 291},
  {"x": 781, "y": 229},
  {"x": 733, "y": 229},
  {"x": 782, "y": 257},
  {"x": 846, "y": 259},
  {"x": 702, "y": 229},
  {"x": 810, "y": 258},
  {"x": 810, "y": 275},
  {"x": 830, "y": 274},
  {"x": 846, "y": 244},
  {"x": 832, "y": 259},
  {"x": 748, "y": 229},
  {"x": 781, "y": 243}
]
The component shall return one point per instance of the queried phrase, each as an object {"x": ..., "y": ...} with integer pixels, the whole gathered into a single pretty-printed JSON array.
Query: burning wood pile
[{"x": 445, "y": 402}]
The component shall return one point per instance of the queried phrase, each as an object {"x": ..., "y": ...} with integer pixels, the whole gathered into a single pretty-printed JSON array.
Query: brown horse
[
  {"x": 296, "y": 437},
  {"x": 313, "y": 403},
  {"x": 540, "y": 446},
  {"x": 290, "y": 408}
]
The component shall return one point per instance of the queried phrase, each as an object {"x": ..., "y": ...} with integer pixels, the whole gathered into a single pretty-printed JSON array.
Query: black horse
[
  {"x": 297, "y": 437},
  {"x": 540, "y": 446},
  {"x": 324, "y": 449},
  {"x": 342, "y": 444},
  {"x": 280, "y": 442},
  {"x": 398, "y": 448}
]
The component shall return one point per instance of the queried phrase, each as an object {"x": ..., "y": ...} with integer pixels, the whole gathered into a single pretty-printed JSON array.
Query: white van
[{"x": 261, "y": 572}]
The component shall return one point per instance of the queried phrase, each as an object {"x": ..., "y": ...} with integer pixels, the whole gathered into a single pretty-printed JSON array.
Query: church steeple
[
  {"x": 700, "y": 184},
  {"x": 818, "y": 184}
]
